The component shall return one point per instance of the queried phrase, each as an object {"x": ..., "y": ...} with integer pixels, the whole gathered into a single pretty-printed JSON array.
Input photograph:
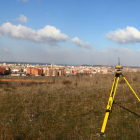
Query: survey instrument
[{"x": 112, "y": 95}]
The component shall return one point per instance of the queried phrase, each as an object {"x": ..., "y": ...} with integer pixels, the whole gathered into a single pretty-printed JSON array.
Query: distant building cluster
[{"x": 57, "y": 70}]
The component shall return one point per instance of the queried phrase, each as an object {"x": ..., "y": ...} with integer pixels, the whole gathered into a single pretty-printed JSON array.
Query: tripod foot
[{"x": 101, "y": 134}]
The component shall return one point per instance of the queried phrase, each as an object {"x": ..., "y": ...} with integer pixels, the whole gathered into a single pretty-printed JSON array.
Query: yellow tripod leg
[
  {"x": 109, "y": 105},
  {"x": 131, "y": 88}
]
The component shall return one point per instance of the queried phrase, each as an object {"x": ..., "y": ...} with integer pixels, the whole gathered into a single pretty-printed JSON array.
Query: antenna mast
[{"x": 119, "y": 61}]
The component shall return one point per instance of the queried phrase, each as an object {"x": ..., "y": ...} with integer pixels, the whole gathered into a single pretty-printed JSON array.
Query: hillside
[{"x": 70, "y": 108}]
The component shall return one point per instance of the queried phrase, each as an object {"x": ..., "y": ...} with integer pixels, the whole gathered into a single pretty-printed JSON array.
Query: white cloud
[
  {"x": 83, "y": 56},
  {"x": 80, "y": 43},
  {"x": 124, "y": 36},
  {"x": 25, "y": 0},
  {"x": 49, "y": 34},
  {"x": 22, "y": 18},
  {"x": 120, "y": 50},
  {"x": 109, "y": 56},
  {"x": 39, "y": 1},
  {"x": 5, "y": 49}
]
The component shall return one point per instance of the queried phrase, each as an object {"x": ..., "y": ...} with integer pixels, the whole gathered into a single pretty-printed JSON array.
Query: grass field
[{"x": 71, "y": 108}]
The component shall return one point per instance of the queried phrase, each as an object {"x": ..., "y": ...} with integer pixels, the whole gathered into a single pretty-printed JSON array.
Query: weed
[{"x": 69, "y": 108}]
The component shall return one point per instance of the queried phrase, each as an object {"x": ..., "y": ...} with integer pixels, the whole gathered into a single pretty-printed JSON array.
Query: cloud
[
  {"x": 22, "y": 18},
  {"x": 80, "y": 43},
  {"x": 130, "y": 35},
  {"x": 109, "y": 56},
  {"x": 49, "y": 34},
  {"x": 120, "y": 50},
  {"x": 6, "y": 50},
  {"x": 83, "y": 56},
  {"x": 39, "y": 1},
  {"x": 23, "y": 0}
]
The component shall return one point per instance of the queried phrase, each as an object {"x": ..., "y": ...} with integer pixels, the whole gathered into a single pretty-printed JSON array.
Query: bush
[{"x": 66, "y": 82}]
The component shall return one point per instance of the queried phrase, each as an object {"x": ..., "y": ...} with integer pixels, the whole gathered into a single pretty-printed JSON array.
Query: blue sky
[{"x": 70, "y": 31}]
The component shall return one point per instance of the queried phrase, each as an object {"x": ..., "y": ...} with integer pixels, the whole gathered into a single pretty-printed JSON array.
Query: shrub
[{"x": 66, "y": 82}]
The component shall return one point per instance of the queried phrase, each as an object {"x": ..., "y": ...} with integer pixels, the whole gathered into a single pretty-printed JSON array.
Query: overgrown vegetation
[{"x": 71, "y": 108}]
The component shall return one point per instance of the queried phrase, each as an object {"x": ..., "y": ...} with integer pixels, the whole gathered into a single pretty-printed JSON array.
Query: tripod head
[{"x": 118, "y": 67}]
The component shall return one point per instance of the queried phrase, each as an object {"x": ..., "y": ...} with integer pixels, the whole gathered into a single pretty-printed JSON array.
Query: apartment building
[
  {"x": 34, "y": 71},
  {"x": 2, "y": 70}
]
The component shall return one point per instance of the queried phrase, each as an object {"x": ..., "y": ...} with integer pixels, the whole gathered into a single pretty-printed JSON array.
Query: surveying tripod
[{"x": 112, "y": 95}]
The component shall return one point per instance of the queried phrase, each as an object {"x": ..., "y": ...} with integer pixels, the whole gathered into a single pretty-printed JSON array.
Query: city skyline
[{"x": 70, "y": 32}]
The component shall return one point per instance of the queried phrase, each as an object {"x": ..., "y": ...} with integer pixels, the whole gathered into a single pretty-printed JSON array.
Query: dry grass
[{"x": 72, "y": 108}]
